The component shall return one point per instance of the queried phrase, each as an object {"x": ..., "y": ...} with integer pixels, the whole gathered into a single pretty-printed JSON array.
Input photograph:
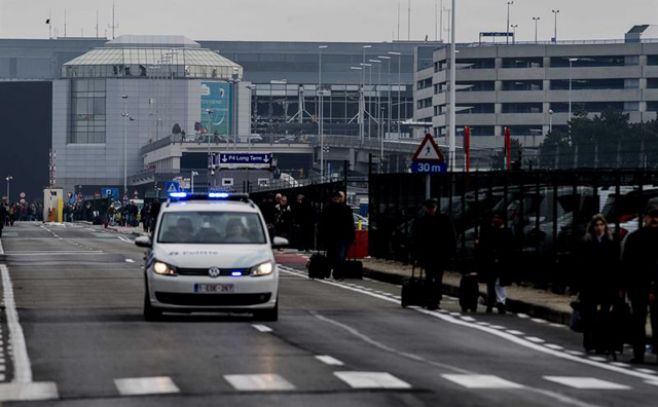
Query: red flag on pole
[
  {"x": 508, "y": 148},
  {"x": 467, "y": 147}
]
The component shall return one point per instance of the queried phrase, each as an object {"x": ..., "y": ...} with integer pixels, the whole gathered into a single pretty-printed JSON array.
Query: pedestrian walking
[
  {"x": 495, "y": 251},
  {"x": 302, "y": 220},
  {"x": 337, "y": 231},
  {"x": 283, "y": 217},
  {"x": 3, "y": 217},
  {"x": 598, "y": 285},
  {"x": 433, "y": 245},
  {"x": 640, "y": 258}
]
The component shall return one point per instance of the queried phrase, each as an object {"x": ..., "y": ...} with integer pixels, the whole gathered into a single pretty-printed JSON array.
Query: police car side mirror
[
  {"x": 279, "y": 242},
  {"x": 143, "y": 241}
]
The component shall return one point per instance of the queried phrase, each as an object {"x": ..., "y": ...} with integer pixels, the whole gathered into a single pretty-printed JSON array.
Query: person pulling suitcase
[{"x": 434, "y": 244}]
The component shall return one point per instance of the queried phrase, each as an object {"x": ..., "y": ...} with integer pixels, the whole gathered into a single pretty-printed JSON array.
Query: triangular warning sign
[
  {"x": 172, "y": 188},
  {"x": 428, "y": 151}
]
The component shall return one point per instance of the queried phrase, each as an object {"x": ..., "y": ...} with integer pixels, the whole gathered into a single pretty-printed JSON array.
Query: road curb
[{"x": 515, "y": 306}]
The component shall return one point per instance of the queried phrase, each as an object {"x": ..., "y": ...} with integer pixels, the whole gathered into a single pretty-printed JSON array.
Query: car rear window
[{"x": 211, "y": 228}]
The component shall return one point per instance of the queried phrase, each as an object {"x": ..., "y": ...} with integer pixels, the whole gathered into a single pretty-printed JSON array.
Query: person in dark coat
[
  {"x": 3, "y": 217},
  {"x": 598, "y": 285},
  {"x": 302, "y": 220},
  {"x": 337, "y": 230},
  {"x": 434, "y": 245},
  {"x": 267, "y": 209},
  {"x": 283, "y": 217},
  {"x": 496, "y": 248},
  {"x": 641, "y": 271},
  {"x": 153, "y": 215}
]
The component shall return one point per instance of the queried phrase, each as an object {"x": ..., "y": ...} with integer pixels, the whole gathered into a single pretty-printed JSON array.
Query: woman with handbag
[{"x": 598, "y": 286}]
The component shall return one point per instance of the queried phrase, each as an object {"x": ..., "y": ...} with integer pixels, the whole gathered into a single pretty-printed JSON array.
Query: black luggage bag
[
  {"x": 414, "y": 290},
  {"x": 318, "y": 266},
  {"x": 351, "y": 269},
  {"x": 469, "y": 292}
]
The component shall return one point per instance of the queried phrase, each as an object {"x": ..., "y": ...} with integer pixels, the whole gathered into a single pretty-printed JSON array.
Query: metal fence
[{"x": 548, "y": 212}]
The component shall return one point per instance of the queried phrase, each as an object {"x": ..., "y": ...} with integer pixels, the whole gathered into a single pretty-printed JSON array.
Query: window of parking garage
[
  {"x": 522, "y": 85},
  {"x": 476, "y": 63},
  {"x": 652, "y": 59},
  {"x": 424, "y": 103},
  {"x": 588, "y": 84},
  {"x": 475, "y": 108},
  {"x": 524, "y": 130},
  {"x": 423, "y": 84},
  {"x": 87, "y": 112},
  {"x": 534, "y": 62},
  {"x": 589, "y": 62},
  {"x": 652, "y": 106},
  {"x": 475, "y": 86},
  {"x": 652, "y": 83},
  {"x": 596, "y": 107},
  {"x": 440, "y": 65},
  {"x": 522, "y": 107}
]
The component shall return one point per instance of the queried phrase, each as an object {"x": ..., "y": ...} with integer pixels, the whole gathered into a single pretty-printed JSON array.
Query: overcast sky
[{"x": 322, "y": 20}]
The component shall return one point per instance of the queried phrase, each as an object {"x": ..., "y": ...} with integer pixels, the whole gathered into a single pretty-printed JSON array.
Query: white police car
[{"x": 210, "y": 253}]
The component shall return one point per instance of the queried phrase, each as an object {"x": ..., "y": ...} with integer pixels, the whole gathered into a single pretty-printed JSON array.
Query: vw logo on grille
[{"x": 214, "y": 272}]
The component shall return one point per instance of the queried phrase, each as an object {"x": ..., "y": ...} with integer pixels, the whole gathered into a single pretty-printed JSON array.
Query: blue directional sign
[
  {"x": 428, "y": 168},
  {"x": 110, "y": 192},
  {"x": 245, "y": 160},
  {"x": 171, "y": 186}
]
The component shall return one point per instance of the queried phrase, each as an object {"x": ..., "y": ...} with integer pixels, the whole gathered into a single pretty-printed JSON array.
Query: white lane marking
[
  {"x": 652, "y": 382},
  {"x": 598, "y": 358},
  {"x": 620, "y": 364},
  {"x": 575, "y": 353},
  {"x": 54, "y": 253},
  {"x": 262, "y": 328},
  {"x": 372, "y": 380},
  {"x": 586, "y": 383},
  {"x": 328, "y": 360},
  {"x": 554, "y": 346},
  {"x": 22, "y": 369},
  {"x": 539, "y": 320},
  {"x": 136, "y": 386},
  {"x": 125, "y": 239},
  {"x": 481, "y": 381},
  {"x": 569, "y": 355},
  {"x": 515, "y": 332},
  {"x": 534, "y": 339},
  {"x": 523, "y": 316},
  {"x": 496, "y": 327},
  {"x": 2, "y": 250},
  {"x": 130, "y": 261},
  {"x": 484, "y": 323},
  {"x": 469, "y": 319},
  {"x": 647, "y": 371},
  {"x": 554, "y": 325},
  {"x": 22, "y": 387},
  {"x": 258, "y": 382}
]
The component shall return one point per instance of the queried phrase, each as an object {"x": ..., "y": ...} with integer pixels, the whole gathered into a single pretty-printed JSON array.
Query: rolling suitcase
[
  {"x": 414, "y": 290},
  {"x": 469, "y": 292},
  {"x": 351, "y": 269},
  {"x": 318, "y": 266}
]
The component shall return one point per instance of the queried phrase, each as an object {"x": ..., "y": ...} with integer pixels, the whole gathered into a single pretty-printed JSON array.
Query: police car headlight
[
  {"x": 163, "y": 269},
  {"x": 262, "y": 269}
]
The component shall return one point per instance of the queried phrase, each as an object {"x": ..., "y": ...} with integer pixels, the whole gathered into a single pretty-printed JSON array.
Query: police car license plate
[{"x": 214, "y": 288}]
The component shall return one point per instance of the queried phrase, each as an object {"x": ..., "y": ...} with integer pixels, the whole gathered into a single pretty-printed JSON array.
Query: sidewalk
[{"x": 526, "y": 300}]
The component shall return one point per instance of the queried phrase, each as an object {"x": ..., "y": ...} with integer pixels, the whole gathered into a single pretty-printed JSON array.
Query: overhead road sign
[
  {"x": 245, "y": 160},
  {"x": 171, "y": 187}
]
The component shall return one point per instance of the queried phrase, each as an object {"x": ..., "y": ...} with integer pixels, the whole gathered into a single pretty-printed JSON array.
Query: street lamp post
[
  {"x": 453, "y": 93},
  {"x": 388, "y": 82},
  {"x": 364, "y": 66},
  {"x": 550, "y": 120},
  {"x": 509, "y": 4},
  {"x": 399, "y": 55},
  {"x": 378, "y": 64},
  {"x": 125, "y": 116},
  {"x": 536, "y": 20},
  {"x": 194, "y": 173},
  {"x": 8, "y": 178},
  {"x": 514, "y": 27},
  {"x": 361, "y": 107},
  {"x": 321, "y": 111},
  {"x": 555, "y": 13}
]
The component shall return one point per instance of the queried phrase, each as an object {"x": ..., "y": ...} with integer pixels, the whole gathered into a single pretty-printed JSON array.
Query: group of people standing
[
  {"x": 293, "y": 221},
  {"x": 617, "y": 282}
]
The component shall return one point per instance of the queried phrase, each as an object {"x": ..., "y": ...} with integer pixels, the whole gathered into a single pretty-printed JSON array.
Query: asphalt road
[{"x": 78, "y": 293}]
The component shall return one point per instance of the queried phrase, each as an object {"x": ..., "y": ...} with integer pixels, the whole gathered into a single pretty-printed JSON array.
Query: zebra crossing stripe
[
  {"x": 586, "y": 383},
  {"x": 258, "y": 382},
  {"x": 139, "y": 386},
  {"x": 475, "y": 381},
  {"x": 372, "y": 380}
]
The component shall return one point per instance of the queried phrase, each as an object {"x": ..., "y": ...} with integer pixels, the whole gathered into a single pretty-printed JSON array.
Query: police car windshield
[{"x": 211, "y": 228}]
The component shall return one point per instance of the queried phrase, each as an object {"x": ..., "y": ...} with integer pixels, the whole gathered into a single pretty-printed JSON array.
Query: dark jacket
[
  {"x": 3, "y": 215},
  {"x": 337, "y": 224},
  {"x": 433, "y": 239},
  {"x": 598, "y": 270},
  {"x": 495, "y": 252},
  {"x": 641, "y": 261}
]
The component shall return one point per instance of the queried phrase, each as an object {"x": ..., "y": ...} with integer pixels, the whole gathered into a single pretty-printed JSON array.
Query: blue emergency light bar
[{"x": 211, "y": 196}]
